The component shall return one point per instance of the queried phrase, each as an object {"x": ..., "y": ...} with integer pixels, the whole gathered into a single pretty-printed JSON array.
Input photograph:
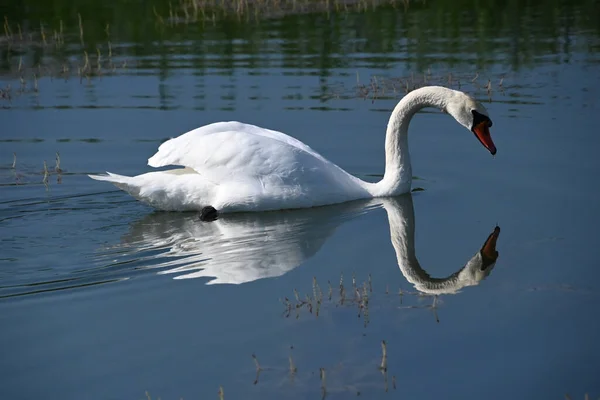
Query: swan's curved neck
[{"x": 398, "y": 172}]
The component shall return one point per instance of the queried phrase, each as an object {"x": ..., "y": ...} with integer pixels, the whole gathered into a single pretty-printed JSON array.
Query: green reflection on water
[{"x": 508, "y": 33}]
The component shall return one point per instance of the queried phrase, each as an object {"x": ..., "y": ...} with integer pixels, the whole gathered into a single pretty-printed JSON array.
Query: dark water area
[{"x": 102, "y": 297}]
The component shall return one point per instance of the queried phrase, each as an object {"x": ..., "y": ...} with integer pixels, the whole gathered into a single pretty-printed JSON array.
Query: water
[{"x": 100, "y": 297}]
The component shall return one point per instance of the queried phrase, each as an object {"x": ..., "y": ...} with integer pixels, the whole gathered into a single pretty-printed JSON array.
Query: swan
[
  {"x": 242, "y": 248},
  {"x": 237, "y": 167}
]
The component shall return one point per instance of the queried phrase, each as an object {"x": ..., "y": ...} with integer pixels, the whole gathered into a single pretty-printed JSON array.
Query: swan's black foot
[{"x": 208, "y": 214}]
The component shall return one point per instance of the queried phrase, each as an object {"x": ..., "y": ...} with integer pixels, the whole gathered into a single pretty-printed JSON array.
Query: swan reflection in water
[
  {"x": 402, "y": 231},
  {"x": 240, "y": 248}
]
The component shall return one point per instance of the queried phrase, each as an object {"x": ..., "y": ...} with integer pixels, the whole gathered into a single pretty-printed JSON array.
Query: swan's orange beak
[
  {"x": 488, "y": 251},
  {"x": 482, "y": 131}
]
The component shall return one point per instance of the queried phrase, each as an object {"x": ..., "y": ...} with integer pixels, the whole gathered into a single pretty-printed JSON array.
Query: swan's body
[{"x": 233, "y": 166}]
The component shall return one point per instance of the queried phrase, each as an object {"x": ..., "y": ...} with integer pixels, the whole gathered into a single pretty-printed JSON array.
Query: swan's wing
[{"x": 233, "y": 150}]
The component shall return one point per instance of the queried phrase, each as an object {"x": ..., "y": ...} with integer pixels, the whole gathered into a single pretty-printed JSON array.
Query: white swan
[{"x": 231, "y": 166}]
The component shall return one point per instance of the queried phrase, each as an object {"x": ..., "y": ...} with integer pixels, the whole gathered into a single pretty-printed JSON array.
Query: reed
[
  {"x": 7, "y": 30},
  {"x": 361, "y": 296},
  {"x": 258, "y": 369},
  {"x": 383, "y": 365},
  {"x": 80, "y": 28},
  {"x": 57, "y": 166},
  {"x": 43, "y": 34},
  {"x": 322, "y": 377},
  {"x": 293, "y": 368},
  {"x": 209, "y": 10}
]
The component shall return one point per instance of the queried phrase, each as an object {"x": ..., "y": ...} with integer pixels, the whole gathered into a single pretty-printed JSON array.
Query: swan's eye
[{"x": 478, "y": 118}]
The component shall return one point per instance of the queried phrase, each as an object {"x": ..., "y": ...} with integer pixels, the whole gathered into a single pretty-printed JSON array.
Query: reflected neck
[{"x": 401, "y": 218}]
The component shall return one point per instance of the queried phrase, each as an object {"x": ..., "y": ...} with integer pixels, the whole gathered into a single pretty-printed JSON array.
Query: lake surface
[{"x": 103, "y": 298}]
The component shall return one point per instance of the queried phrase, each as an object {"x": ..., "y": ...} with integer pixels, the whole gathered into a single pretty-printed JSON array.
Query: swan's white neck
[{"x": 398, "y": 171}]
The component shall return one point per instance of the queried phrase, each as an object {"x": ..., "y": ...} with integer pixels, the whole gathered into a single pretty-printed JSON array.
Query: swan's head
[
  {"x": 481, "y": 265},
  {"x": 471, "y": 114}
]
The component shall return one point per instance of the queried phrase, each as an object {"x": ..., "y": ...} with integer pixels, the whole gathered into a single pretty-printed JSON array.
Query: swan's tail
[
  {"x": 180, "y": 189},
  {"x": 123, "y": 182},
  {"x": 110, "y": 177}
]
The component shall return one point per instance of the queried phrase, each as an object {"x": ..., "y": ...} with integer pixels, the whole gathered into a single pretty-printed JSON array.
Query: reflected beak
[
  {"x": 482, "y": 131},
  {"x": 488, "y": 251}
]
